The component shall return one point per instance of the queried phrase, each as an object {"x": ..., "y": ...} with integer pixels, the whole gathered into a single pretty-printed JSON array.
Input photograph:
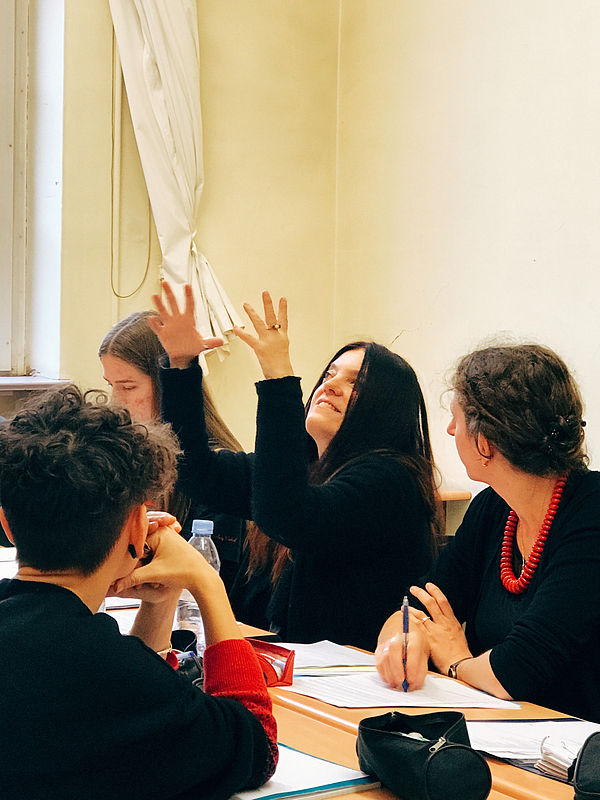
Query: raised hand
[
  {"x": 177, "y": 330},
  {"x": 271, "y": 344}
]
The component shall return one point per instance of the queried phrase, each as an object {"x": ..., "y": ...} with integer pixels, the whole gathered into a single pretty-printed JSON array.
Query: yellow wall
[
  {"x": 269, "y": 77},
  {"x": 468, "y": 185},
  {"x": 439, "y": 187}
]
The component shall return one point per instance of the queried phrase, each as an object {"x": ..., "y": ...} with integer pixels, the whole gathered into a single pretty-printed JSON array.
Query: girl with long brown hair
[{"x": 130, "y": 354}]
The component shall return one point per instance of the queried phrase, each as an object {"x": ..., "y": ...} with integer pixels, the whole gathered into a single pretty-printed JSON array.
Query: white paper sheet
[
  {"x": 327, "y": 658},
  {"x": 8, "y": 562},
  {"x": 122, "y": 602},
  {"x": 125, "y": 618},
  {"x": 8, "y": 553},
  {"x": 368, "y": 690},
  {"x": 523, "y": 740}
]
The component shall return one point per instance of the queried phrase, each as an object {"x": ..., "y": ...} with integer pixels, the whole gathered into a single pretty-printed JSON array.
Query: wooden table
[
  {"x": 507, "y": 781},
  {"x": 330, "y": 732},
  {"x": 326, "y": 741}
]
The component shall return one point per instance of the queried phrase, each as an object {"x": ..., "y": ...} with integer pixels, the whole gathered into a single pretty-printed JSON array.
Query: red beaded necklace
[{"x": 507, "y": 576}]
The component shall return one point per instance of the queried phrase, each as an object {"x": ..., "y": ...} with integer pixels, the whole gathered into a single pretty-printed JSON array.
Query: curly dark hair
[
  {"x": 72, "y": 468},
  {"x": 524, "y": 400}
]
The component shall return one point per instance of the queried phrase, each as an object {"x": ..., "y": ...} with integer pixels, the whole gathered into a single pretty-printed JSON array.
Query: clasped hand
[
  {"x": 390, "y": 655},
  {"x": 172, "y": 565}
]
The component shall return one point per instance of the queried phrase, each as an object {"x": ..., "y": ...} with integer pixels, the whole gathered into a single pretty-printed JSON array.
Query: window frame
[{"x": 14, "y": 35}]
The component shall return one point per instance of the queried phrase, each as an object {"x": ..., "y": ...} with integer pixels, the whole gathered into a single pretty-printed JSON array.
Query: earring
[{"x": 132, "y": 552}]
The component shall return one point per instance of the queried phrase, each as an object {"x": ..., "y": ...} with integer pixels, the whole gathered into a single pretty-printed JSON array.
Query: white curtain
[{"x": 158, "y": 48}]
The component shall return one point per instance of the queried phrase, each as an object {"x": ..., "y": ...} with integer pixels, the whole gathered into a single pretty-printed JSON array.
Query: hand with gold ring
[
  {"x": 271, "y": 344},
  {"x": 447, "y": 640}
]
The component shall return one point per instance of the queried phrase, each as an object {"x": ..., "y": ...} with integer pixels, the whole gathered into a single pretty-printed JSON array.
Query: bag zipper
[{"x": 436, "y": 745}]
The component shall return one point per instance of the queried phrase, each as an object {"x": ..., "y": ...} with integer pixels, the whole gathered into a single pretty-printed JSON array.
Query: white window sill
[{"x": 28, "y": 383}]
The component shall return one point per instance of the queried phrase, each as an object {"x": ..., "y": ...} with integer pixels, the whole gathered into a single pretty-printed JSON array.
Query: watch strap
[{"x": 453, "y": 667}]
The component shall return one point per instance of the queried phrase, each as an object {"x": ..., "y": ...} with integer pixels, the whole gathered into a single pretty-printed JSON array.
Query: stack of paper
[
  {"x": 551, "y": 745},
  {"x": 301, "y": 775},
  {"x": 122, "y": 602},
  {"x": 557, "y": 756},
  {"x": 327, "y": 658}
]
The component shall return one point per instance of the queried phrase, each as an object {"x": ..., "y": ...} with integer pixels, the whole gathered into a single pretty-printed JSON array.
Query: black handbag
[
  {"x": 423, "y": 756},
  {"x": 586, "y": 776}
]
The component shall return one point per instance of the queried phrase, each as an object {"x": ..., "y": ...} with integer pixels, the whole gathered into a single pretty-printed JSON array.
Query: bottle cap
[{"x": 202, "y": 527}]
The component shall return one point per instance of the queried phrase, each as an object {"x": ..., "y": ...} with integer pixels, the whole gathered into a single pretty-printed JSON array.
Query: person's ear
[
  {"x": 6, "y": 526},
  {"x": 137, "y": 527},
  {"x": 485, "y": 448}
]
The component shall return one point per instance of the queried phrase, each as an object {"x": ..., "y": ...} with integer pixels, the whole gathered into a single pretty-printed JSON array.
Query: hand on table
[
  {"x": 176, "y": 329},
  {"x": 271, "y": 344},
  {"x": 389, "y": 654},
  {"x": 445, "y": 635}
]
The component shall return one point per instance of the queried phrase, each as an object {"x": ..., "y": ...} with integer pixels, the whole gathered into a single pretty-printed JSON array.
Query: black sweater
[
  {"x": 355, "y": 540},
  {"x": 89, "y": 714},
  {"x": 545, "y": 643}
]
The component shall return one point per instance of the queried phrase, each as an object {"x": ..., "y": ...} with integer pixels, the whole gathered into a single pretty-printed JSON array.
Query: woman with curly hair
[{"x": 512, "y": 605}]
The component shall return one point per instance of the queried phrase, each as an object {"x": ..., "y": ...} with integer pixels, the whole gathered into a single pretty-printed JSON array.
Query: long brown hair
[
  {"x": 133, "y": 341},
  {"x": 397, "y": 427}
]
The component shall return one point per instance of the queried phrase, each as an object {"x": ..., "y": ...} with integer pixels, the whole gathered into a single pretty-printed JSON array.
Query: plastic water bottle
[{"x": 188, "y": 613}]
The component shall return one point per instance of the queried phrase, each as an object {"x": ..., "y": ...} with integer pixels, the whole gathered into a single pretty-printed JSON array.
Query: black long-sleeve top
[
  {"x": 545, "y": 643},
  {"x": 355, "y": 540},
  {"x": 89, "y": 713}
]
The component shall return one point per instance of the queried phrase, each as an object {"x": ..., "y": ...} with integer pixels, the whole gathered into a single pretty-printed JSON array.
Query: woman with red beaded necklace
[{"x": 512, "y": 605}]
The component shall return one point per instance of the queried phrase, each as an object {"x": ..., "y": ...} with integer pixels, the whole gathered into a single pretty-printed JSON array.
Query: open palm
[{"x": 176, "y": 329}]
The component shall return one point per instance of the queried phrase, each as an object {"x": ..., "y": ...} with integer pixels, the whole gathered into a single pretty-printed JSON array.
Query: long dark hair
[{"x": 386, "y": 414}]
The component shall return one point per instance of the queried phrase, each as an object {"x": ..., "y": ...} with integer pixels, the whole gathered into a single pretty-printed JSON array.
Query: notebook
[{"x": 301, "y": 775}]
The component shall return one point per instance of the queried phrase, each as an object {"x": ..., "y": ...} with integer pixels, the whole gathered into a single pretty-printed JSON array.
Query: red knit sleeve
[{"x": 231, "y": 669}]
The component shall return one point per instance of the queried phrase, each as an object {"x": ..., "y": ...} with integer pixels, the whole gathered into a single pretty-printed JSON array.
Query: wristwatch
[{"x": 452, "y": 668}]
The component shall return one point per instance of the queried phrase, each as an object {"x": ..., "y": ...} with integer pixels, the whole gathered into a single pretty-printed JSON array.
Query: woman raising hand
[{"x": 344, "y": 488}]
